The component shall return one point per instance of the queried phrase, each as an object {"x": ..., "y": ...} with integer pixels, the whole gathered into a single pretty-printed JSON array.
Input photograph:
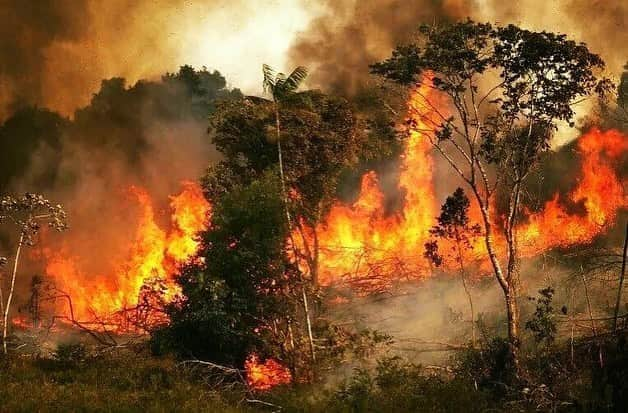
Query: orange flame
[
  {"x": 599, "y": 191},
  {"x": 361, "y": 237},
  {"x": 263, "y": 376},
  {"x": 153, "y": 256},
  {"x": 360, "y": 241}
]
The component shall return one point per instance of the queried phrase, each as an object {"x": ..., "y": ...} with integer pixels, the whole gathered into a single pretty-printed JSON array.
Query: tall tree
[
  {"x": 281, "y": 88},
  {"x": 499, "y": 93}
]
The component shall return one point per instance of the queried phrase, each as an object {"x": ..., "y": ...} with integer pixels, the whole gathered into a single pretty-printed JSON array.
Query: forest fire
[
  {"x": 599, "y": 190},
  {"x": 263, "y": 376},
  {"x": 154, "y": 255},
  {"x": 360, "y": 241},
  {"x": 360, "y": 236}
]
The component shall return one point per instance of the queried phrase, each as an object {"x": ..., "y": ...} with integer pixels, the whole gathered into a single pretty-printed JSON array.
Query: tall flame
[
  {"x": 361, "y": 237},
  {"x": 360, "y": 241},
  {"x": 153, "y": 257}
]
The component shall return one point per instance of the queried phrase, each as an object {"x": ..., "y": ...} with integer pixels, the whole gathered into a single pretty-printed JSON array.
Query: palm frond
[
  {"x": 295, "y": 79},
  {"x": 269, "y": 78},
  {"x": 280, "y": 85}
]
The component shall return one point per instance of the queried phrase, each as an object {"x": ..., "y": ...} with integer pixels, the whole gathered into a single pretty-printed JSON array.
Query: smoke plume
[{"x": 340, "y": 44}]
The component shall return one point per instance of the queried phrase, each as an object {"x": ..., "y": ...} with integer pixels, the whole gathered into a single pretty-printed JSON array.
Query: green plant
[{"x": 543, "y": 323}]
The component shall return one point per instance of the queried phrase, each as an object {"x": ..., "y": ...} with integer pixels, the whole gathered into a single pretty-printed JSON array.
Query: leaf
[{"x": 269, "y": 78}]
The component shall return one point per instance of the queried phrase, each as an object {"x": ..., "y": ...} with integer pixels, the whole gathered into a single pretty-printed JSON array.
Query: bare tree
[{"x": 27, "y": 213}]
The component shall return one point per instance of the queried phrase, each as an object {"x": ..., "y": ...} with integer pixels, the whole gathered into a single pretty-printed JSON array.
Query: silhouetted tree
[{"x": 454, "y": 227}]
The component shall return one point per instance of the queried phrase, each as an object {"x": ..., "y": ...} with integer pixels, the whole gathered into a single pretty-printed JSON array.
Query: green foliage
[
  {"x": 281, "y": 86},
  {"x": 238, "y": 284},
  {"x": 509, "y": 123},
  {"x": 541, "y": 73},
  {"x": 402, "y": 387},
  {"x": 319, "y": 139},
  {"x": 543, "y": 323},
  {"x": 490, "y": 366},
  {"x": 247, "y": 294}
]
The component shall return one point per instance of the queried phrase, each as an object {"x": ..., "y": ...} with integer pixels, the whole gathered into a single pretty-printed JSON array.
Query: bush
[
  {"x": 404, "y": 387},
  {"x": 490, "y": 367},
  {"x": 71, "y": 353}
]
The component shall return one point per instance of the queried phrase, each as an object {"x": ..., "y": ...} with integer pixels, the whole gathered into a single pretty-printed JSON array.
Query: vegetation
[
  {"x": 453, "y": 226},
  {"x": 253, "y": 287},
  {"x": 26, "y": 213},
  {"x": 495, "y": 134}
]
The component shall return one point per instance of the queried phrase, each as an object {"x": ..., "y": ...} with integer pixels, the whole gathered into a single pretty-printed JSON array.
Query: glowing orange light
[{"x": 263, "y": 376}]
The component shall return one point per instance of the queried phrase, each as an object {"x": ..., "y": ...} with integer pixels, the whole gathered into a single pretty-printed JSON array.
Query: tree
[
  {"x": 234, "y": 297},
  {"x": 498, "y": 95},
  {"x": 246, "y": 292},
  {"x": 318, "y": 140},
  {"x": 281, "y": 88},
  {"x": 454, "y": 226},
  {"x": 26, "y": 213}
]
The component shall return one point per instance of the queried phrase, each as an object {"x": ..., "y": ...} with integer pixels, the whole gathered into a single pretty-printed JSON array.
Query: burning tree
[
  {"x": 26, "y": 213},
  {"x": 246, "y": 293},
  {"x": 500, "y": 92}
]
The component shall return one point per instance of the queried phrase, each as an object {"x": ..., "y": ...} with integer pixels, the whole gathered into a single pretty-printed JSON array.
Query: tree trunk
[
  {"x": 10, "y": 297},
  {"x": 508, "y": 287},
  {"x": 463, "y": 276},
  {"x": 512, "y": 308},
  {"x": 309, "y": 324},
  {"x": 621, "y": 279},
  {"x": 282, "y": 178},
  {"x": 284, "y": 194}
]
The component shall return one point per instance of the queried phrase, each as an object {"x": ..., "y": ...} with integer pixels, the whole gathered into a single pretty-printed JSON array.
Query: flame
[
  {"x": 599, "y": 191},
  {"x": 362, "y": 237},
  {"x": 263, "y": 376},
  {"x": 153, "y": 258},
  {"x": 360, "y": 242},
  {"x": 190, "y": 217}
]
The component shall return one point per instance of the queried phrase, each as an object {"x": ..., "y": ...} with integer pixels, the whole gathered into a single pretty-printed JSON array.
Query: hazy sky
[{"x": 55, "y": 52}]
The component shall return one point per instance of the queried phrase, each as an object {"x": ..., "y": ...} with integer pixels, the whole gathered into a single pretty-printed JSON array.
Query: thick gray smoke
[{"x": 340, "y": 44}]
